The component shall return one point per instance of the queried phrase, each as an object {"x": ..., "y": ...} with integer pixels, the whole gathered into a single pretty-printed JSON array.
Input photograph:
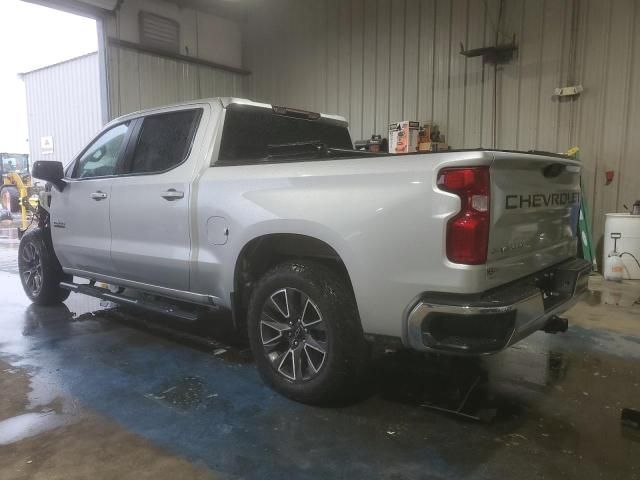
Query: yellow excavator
[{"x": 17, "y": 194}]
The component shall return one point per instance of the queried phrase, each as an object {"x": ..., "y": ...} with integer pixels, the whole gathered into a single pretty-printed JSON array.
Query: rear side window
[
  {"x": 251, "y": 133},
  {"x": 164, "y": 141}
]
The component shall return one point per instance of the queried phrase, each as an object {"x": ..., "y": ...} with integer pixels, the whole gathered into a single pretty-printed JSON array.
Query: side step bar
[{"x": 156, "y": 307}]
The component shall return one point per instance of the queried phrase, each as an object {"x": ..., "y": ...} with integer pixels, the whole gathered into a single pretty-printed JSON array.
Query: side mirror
[{"x": 52, "y": 172}]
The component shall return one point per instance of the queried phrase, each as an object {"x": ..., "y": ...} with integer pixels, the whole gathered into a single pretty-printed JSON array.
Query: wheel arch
[{"x": 264, "y": 252}]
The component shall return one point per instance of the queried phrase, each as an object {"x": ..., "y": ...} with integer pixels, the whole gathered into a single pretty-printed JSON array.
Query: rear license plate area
[{"x": 562, "y": 282}]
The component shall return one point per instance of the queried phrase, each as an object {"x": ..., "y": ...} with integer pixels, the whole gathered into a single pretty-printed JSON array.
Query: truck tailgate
[{"x": 535, "y": 203}]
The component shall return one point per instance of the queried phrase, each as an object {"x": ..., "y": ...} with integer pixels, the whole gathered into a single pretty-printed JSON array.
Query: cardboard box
[
  {"x": 403, "y": 136},
  {"x": 432, "y": 147},
  {"x": 425, "y": 133}
]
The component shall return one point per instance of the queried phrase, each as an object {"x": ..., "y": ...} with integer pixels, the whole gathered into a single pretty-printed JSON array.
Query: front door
[
  {"x": 150, "y": 224},
  {"x": 80, "y": 225}
]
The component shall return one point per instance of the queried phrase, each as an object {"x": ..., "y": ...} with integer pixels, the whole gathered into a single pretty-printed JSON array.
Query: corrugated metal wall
[
  {"x": 63, "y": 101},
  {"x": 377, "y": 61},
  {"x": 140, "y": 80},
  {"x": 607, "y": 115}
]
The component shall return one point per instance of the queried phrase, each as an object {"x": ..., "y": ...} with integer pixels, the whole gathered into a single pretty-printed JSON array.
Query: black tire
[
  {"x": 10, "y": 198},
  {"x": 333, "y": 377},
  {"x": 40, "y": 271}
]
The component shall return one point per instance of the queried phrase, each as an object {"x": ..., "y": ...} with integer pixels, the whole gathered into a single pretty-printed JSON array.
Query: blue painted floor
[{"x": 190, "y": 396}]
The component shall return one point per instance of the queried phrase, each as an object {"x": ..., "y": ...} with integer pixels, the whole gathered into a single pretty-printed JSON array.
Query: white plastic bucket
[{"x": 628, "y": 226}]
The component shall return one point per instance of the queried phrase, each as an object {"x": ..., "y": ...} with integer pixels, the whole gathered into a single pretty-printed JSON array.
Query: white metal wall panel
[
  {"x": 139, "y": 80},
  {"x": 457, "y": 91},
  {"x": 369, "y": 68},
  {"x": 473, "y": 78},
  {"x": 356, "y": 87},
  {"x": 218, "y": 83},
  {"x": 396, "y": 70},
  {"x": 628, "y": 190},
  {"x": 608, "y": 70},
  {"x": 442, "y": 57},
  {"x": 509, "y": 79},
  {"x": 344, "y": 60},
  {"x": 425, "y": 59},
  {"x": 530, "y": 64},
  {"x": 331, "y": 97},
  {"x": 411, "y": 86},
  {"x": 128, "y": 76},
  {"x": 552, "y": 33},
  {"x": 490, "y": 77},
  {"x": 377, "y": 61},
  {"x": 615, "y": 98},
  {"x": 382, "y": 98},
  {"x": 63, "y": 101},
  {"x": 385, "y": 60},
  {"x": 188, "y": 87},
  {"x": 590, "y": 105}
]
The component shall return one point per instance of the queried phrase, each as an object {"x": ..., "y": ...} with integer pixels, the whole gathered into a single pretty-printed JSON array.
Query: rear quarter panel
[{"x": 384, "y": 216}]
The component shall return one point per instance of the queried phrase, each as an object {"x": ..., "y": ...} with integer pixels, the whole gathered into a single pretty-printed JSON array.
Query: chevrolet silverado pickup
[{"x": 317, "y": 249}]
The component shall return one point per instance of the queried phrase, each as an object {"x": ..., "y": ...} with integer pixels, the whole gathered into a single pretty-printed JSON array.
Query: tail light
[{"x": 468, "y": 231}]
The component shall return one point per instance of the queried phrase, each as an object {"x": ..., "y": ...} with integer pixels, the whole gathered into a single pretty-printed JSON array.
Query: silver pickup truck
[{"x": 317, "y": 249}]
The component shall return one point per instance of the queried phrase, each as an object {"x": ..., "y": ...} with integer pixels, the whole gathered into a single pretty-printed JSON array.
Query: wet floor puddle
[
  {"x": 30, "y": 406},
  {"x": 30, "y": 424},
  {"x": 617, "y": 299},
  {"x": 187, "y": 393}
]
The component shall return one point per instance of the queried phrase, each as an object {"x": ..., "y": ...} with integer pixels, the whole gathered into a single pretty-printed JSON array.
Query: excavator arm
[{"x": 25, "y": 201}]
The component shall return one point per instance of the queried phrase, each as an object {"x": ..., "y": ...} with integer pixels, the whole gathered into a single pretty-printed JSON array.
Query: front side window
[
  {"x": 101, "y": 158},
  {"x": 164, "y": 141}
]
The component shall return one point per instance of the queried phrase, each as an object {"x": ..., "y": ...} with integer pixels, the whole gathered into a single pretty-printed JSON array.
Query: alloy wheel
[
  {"x": 293, "y": 334},
  {"x": 32, "y": 268}
]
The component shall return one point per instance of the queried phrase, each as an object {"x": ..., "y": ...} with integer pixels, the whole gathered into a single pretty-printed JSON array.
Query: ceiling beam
[
  {"x": 87, "y": 8},
  {"x": 232, "y": 10}
]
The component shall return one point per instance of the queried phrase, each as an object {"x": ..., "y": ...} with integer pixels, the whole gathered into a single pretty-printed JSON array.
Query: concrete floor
[{"x": 87, "y": 391}]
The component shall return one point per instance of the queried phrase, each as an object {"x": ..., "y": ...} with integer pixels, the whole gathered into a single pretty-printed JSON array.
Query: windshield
[{"x": 18, "y": 163}]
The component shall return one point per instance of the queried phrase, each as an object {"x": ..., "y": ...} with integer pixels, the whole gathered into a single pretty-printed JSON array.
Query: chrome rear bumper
[{"x": 491, "y": 321}]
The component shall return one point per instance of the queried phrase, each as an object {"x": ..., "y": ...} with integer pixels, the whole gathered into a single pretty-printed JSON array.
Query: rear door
[
  {"x": 535, "y": 202},
  {"x": 150, "y": 202},
  {"x": 80, "y": 213}
]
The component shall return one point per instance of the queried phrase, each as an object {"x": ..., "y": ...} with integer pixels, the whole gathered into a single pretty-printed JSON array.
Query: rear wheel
[
  {"x": 305, "y": 333},
  {"x": 9, "y": 198},
  {"x": 40, "y": 271}
]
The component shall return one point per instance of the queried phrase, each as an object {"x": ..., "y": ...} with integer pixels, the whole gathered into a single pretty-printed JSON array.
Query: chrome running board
[{"x": 151, "y": 306}]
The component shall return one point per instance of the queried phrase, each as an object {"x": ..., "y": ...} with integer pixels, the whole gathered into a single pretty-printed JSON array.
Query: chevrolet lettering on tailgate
[{"x": 537, "y": 200}]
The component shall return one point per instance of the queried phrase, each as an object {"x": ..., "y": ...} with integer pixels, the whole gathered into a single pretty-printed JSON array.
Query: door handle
[
  {"x": 172, "y": 194},
  {"x": 97, "y": 196}
]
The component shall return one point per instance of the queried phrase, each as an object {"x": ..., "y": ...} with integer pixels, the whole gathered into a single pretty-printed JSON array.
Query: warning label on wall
[{"x": 46, "y": 145}]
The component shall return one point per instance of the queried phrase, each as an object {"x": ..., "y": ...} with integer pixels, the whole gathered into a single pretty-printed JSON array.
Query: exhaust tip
[{"x": 556, "y": 324}]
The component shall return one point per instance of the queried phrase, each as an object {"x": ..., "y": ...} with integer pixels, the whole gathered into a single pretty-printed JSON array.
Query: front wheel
[
  {"x": 305, "y": 333},
  {"x": 40, "y": 271}
]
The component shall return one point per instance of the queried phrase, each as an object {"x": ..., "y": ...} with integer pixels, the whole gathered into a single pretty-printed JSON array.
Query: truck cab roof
[{"x": 226, "y": 102}]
